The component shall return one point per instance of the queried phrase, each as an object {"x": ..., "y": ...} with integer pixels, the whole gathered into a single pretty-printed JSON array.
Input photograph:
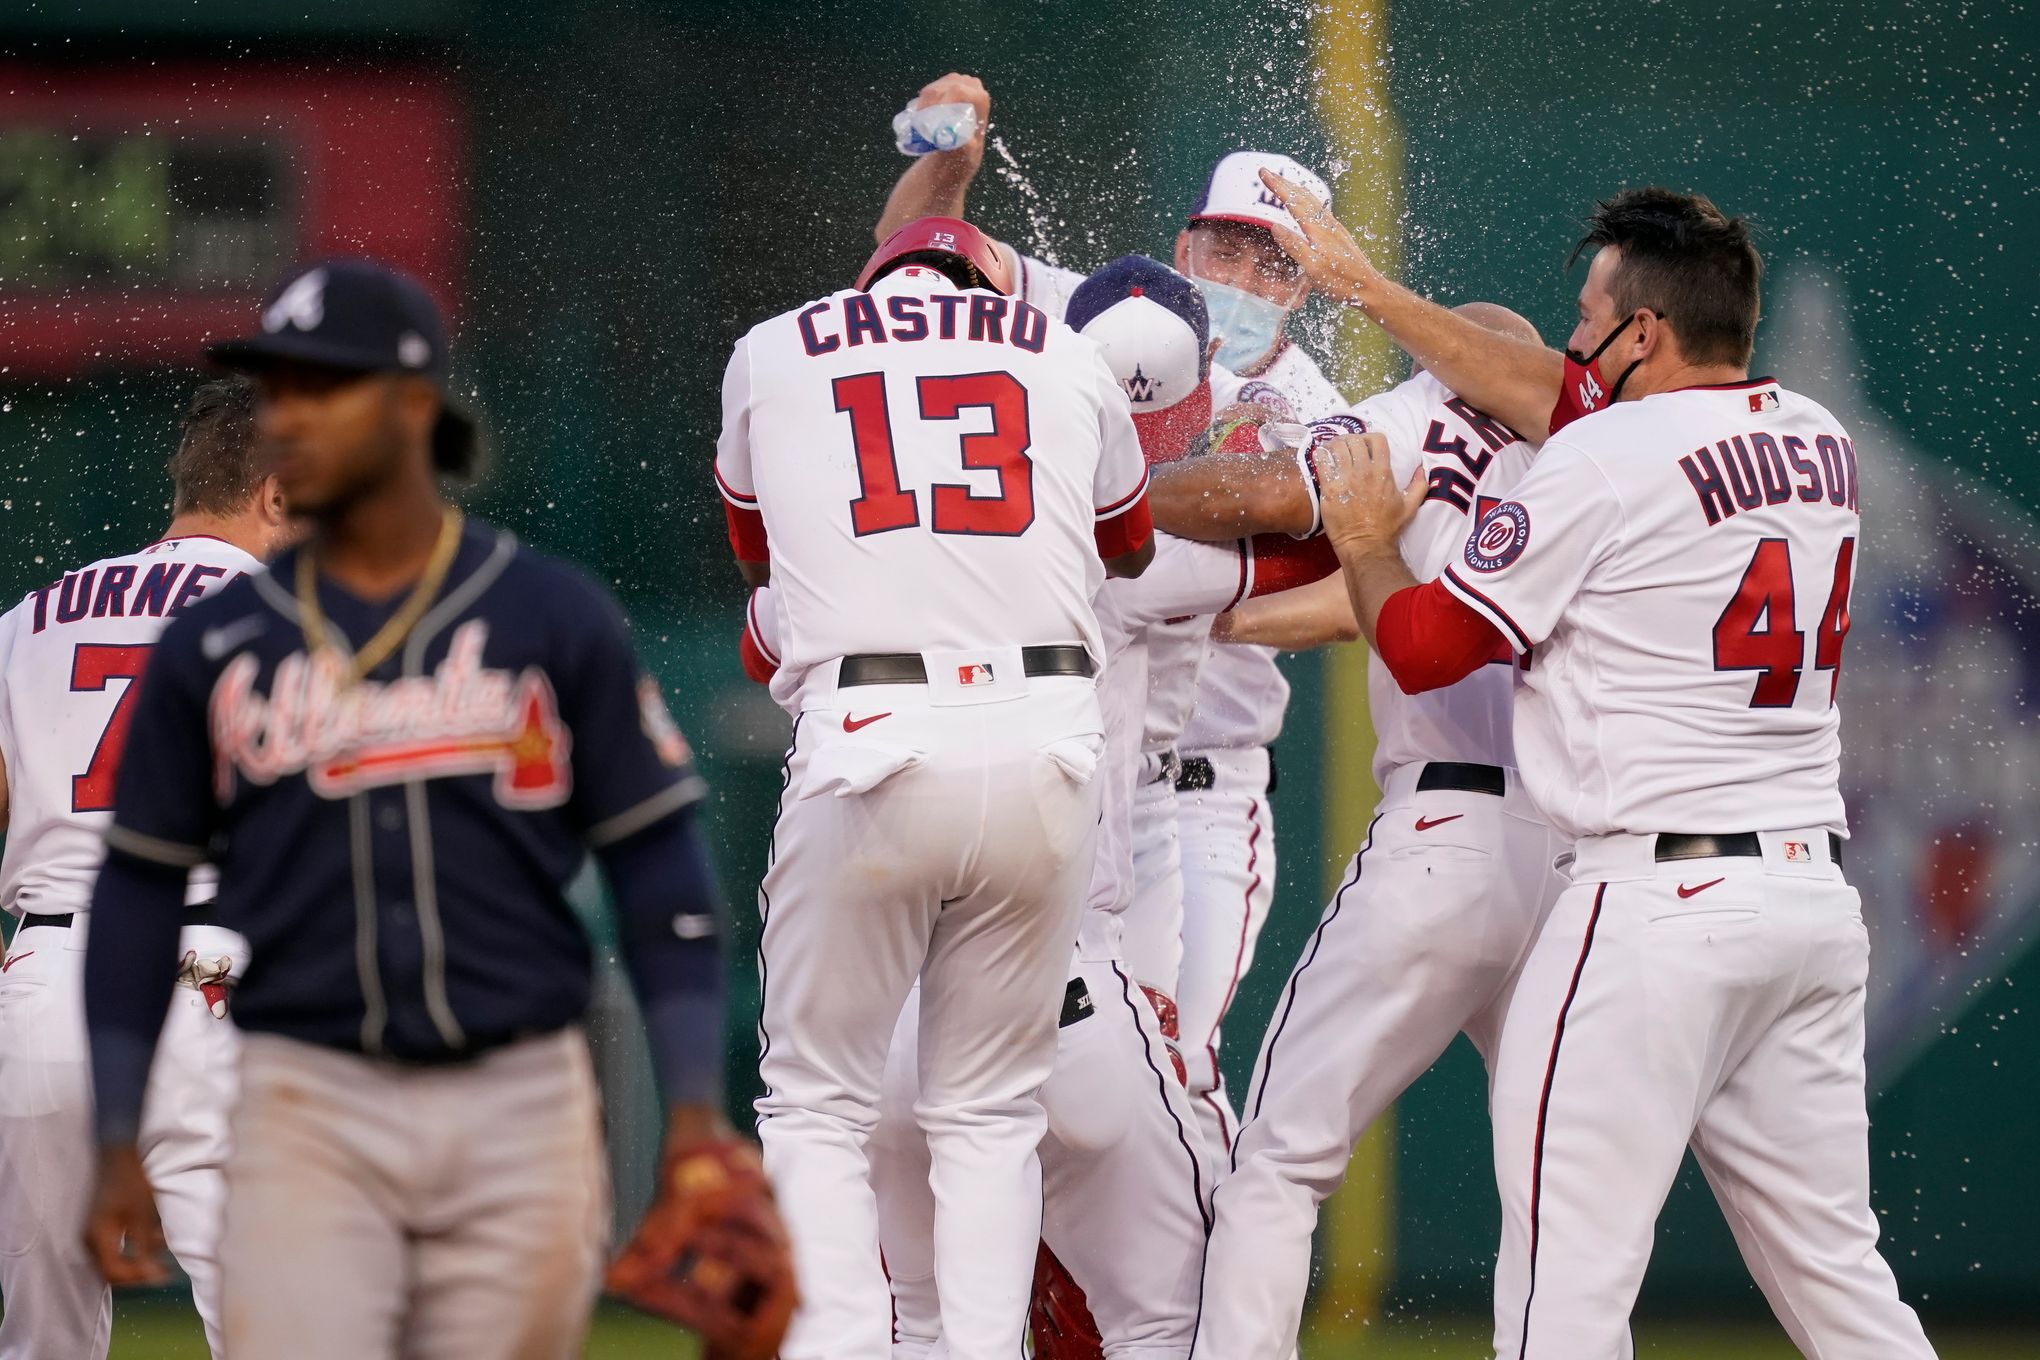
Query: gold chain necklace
[{"x": 391, "y": 635}]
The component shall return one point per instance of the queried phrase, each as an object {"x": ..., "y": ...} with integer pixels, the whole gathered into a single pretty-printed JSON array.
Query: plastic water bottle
[{"x": 939, "y": 127}]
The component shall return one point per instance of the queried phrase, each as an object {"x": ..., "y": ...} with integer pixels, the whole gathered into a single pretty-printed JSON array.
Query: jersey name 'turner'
[{"x": 854, "y": 319}]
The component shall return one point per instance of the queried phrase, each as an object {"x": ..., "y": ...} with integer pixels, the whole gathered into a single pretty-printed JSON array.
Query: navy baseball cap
[
  {"x": 1152, "y": 325},
  {"x": 362, "y": 317}
]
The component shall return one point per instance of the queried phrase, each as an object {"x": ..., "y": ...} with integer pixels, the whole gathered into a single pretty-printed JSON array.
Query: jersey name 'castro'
[
  {"x": 1685, "y": 683},
  {"x": 929, "y": 468}
]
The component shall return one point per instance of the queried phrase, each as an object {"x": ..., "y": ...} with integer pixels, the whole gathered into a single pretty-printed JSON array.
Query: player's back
[
  {"x": 70, "y": 655},
  {"x": 930, "y": 465},
  {"x": 1470, "y": 461},
  {"x": 1690, "y": 685}
]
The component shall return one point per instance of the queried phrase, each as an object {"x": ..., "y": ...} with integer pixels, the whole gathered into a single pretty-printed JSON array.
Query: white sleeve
[
  {"x": 1122, "y": 475},
  {"x": 1047, "y": 286},
  {"x": 761, "y": 620},
  {"x": 733, "y": 474},
  {"x": 1184, "y": 580},
  {"x": 1525, "y": 562}
]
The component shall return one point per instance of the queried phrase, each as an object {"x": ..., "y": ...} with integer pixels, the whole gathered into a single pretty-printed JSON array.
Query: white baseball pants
[
  {"x": 1227, "y": 837},
  {"x": 1422, "y": 941},
  {"x": 921, "y": 834},
  {"x": 378, "y": 1210},
  {"x": 1122, "y": 1190},
  {"x": 1153, "y": 940},
  {"x": 57, "y": 1305},
  {"x": 1716, "y": 1003}
]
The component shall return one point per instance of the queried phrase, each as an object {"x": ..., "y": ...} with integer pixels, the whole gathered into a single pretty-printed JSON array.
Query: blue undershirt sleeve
[{"x": 670, "y": 920}]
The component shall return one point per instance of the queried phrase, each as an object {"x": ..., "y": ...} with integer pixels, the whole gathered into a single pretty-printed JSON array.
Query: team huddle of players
[
  {"x": 1021, "y": 543},
  {"x": 1609, "y": 842}
]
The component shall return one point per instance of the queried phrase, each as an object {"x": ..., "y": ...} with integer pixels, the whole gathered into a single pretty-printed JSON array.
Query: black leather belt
[
  {"x": 907, "y": 668},
  {"x": 1463, "y": 778},
  {"x": 1672, "y": 845},
  {"x": 199, "y": 915},
  {"x": 1197, "y": 774}
]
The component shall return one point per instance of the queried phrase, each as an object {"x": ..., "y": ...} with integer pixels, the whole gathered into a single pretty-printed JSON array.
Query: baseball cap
[
  {"x": 1235, "y": 193},
  {"x": 1151, "y": 323},
  {"x": 363, "y": 317}
]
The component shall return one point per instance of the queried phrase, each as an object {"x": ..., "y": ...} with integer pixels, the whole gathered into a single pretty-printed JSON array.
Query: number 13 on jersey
[{"x": 882, "y": 505}]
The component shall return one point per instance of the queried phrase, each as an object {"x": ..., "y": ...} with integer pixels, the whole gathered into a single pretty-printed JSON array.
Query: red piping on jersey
[
  {"x": 1430, "y": 638},
  {"x": 1740, "y": 385},
  {"x": 1458, "y": 584},
  {"x": 1107, "y": 511},
  {"x": 730, "y": 492},
  {"x": 1246, "y": 918}
]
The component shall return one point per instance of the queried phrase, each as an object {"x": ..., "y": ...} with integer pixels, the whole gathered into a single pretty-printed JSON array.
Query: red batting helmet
[{"x": 949, "y": 244}]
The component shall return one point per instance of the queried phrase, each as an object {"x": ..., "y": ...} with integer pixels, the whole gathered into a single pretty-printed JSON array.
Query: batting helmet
[{"x": 949, "y": 244}]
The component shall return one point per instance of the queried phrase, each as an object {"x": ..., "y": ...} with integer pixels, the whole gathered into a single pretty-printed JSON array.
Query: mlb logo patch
[
  {"x": 1763, "y": 401},
  {"x": 1796, "y": 852},
  {"x": 978, "y": 674}
]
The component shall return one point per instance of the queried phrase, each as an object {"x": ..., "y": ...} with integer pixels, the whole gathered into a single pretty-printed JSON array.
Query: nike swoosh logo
[
  {"x": 1685, "y": 891},
  {"x": 851, "y": 724},
  {"x": 217, "y": 642},
  {"x": 694, "y": 925},
  {"x": 14, "y": 959},
  {"x": 1426, "y": 823}
]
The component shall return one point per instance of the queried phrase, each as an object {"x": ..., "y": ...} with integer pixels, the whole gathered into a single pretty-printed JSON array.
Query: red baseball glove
[{"x": 711, "y": 1253}]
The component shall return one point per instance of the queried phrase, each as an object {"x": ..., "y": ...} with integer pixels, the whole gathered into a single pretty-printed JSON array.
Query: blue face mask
[{"x": 1247, "y": 326}]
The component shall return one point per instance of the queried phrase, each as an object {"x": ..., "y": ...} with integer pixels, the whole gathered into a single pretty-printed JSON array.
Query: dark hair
[
  {"x": 1686, "y": 260},
  {"x": 216, "y": 470}
]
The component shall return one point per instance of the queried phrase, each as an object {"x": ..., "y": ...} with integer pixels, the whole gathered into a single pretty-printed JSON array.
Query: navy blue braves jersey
[{"x": 396, "y": 849}]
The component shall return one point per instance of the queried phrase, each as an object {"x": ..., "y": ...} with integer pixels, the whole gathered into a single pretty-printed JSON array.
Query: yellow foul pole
[{"x": 1350, "y": 40}]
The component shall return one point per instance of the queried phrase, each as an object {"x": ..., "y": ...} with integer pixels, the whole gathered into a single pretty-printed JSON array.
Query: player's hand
[
  {"x": 1363, "y": 506},
  {"x": 124, "y": 1235},
  {"x": 958, "y": 88},
  {"x": 1327, "y": 252}
]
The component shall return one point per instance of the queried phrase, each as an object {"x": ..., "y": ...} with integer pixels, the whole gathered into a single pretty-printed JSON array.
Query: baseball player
[
  {"x": 397, "y": 746},
  {"x": 70, "y": 656},
  {"x": 1438, "y": 907},
  {"x": 1123, "y": 1184},
  {"x": 1680, "y": 559},
  {"x": 937, "y": 477},
  {"x": 1221, "y": 862}
]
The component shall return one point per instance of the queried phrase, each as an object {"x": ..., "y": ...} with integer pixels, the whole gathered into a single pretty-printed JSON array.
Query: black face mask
[{"x": 1591, "y": 362}]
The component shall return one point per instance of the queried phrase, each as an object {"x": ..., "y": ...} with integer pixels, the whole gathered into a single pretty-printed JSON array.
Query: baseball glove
[{"x": 711, "y": 1253}]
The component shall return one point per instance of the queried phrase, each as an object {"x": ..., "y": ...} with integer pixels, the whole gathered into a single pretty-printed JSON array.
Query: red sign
[{"x": 145, "y": 212}]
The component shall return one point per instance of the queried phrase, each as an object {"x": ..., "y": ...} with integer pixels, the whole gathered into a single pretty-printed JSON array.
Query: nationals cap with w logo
[
  {"x": 360, "y": 317},
  {"x": 1235, "y": 193},
  {"x": 1152, "y": 324}
]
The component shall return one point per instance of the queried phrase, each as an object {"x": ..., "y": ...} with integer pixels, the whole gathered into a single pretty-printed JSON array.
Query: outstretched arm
[
  {"x": 935, "y": 184},
  {"x": 1223, "y": 496},
  {"x": 1513, "y": 380},
  {"x": 1293, "y": 620}
]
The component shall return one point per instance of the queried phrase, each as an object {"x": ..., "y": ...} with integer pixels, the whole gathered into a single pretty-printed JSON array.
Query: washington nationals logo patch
[{"x": 1500, "y": 539}]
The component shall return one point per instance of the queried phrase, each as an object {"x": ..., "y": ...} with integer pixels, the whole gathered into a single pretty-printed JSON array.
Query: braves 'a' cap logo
[
  {"x": 1500, "y": 538},
  {"x": 302, "y": 305}
]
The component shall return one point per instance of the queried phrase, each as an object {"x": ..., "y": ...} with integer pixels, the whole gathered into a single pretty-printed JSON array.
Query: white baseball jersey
[
  {"x": 1241, "y": 693},
  {"x": 1471, "y": 461},
  {"x": 70, "y": 656},
  {"x": 935, "y": 470},
  {"x": 1682, "y": 565}
]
